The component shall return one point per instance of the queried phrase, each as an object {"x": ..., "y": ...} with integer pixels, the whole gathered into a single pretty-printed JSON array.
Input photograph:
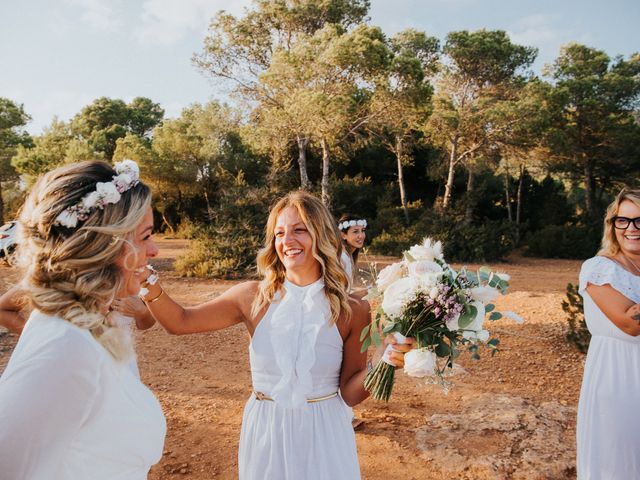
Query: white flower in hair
[
  {"x": 108, "y": 193},
  {"x": 351, "y": 223},
  {"x": 128, "y": 175},
  {"x": 67, "y": 219},
  {"x": 128, "y": 166}
]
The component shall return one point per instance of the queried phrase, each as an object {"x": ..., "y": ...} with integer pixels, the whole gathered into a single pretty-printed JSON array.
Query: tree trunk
[
  {"x": 1, "y": 206},
  {"x": 448, "y": 189},
  {"x": 471, "y": 196},
  {"x": 326, "y": 199},
  {"x": 589, "y": 196},
  {"x": 507, "y": 194},
  {"x": 209, "y": 209},
  {"x": 167, "y": 223},
  {"x": 403, "y": 193},
  {"x": 519, "y": 201},
  {"x": 302, "y": 162}
]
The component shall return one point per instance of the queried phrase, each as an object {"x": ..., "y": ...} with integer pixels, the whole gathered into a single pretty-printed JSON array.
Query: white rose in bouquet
[
  {"x": 425, "y": 271},
  {"x": 473, "y": 331},
  {"x": 419, "y": 363},
  {"x": 427, "y": 251},
  {"x": 397, "y": 295},
  {"x": 388, "y": 275},
  {"x": 484, "y": 294}
]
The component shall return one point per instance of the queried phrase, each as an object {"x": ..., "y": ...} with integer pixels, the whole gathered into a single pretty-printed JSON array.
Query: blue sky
[{"x": 57, "y": 56}]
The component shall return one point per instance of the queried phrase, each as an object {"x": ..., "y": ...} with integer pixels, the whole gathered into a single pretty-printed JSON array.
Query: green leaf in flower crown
[
  {"x": 495, "y": 316},
  {"x": 365, "y": 332},
  {"x": 493, "y": 343},
  {"x": 408, "y": 257},
  {"x": 489, "y": 307},
  {"x": 468, "y": 315}
]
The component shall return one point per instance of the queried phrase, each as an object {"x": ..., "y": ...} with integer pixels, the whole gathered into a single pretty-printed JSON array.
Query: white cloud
[
  {"x": 99, "y": 14},
  {"x": 535, "y": 30},
  {"x": 63, "y": 104},
  {"x": 167, "y": 21}
]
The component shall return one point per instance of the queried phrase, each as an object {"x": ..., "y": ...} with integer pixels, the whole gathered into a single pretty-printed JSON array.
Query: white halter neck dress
[{"x": 296, "y": 355}]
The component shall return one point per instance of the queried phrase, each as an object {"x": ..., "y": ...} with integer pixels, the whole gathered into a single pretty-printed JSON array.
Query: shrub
[
  {"x": 578, "y": 334},
  {"x": 563, "y": 241},
  {"x": 227, "y": 248},
  {"x": 491, "y": 240}
]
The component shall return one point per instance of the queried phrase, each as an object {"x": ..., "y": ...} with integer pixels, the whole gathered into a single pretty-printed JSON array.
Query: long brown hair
[
  {"x": 327, "y": 248},
  {"x": 356, "y": 252}
]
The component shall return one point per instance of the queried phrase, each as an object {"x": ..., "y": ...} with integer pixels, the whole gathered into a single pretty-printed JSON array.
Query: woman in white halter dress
[{"x": 305, "y": 347}]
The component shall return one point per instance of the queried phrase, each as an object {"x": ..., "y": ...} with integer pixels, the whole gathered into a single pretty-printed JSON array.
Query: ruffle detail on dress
[
  {"x": 602, "y": 271},
  {"x": 296, "y": 322}
]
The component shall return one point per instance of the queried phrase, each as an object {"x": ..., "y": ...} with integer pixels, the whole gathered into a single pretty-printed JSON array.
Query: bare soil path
[{"x": 507, "y": 417}]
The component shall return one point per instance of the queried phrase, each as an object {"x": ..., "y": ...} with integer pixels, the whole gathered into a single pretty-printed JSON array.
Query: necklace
[{"x": 632, "y": 263}]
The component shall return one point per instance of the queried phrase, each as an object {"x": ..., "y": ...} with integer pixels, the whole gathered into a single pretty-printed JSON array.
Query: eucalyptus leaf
[
  {"x": 468, "y": 316},
  {"x": 365, "y": 332},
  {"x": 489, "y": 307},
  {"x": 495, "y": 316}
]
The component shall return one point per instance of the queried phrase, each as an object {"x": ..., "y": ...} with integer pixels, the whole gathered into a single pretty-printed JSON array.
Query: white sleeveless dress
[
  {"x": 608, "y": 430},
  {"x": 296, "y": 354}
]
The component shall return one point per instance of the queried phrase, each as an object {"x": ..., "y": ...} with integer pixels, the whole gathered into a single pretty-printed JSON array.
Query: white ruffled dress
[
  {"x": 296, "y": 354},
  {"x": 608, "y": 430}
]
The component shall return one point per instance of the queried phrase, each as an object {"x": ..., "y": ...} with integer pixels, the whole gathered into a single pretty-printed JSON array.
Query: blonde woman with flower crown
[
  {"x": 305, "y": 346},
  {"x": 71, "y": 407}
]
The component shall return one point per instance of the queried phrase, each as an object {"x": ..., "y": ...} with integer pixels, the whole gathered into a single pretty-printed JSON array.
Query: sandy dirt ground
[{"x": 511, "y": 416}]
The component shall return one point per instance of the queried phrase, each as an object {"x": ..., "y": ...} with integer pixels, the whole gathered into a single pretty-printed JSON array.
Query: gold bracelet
[{"x": 154, "y": 298}]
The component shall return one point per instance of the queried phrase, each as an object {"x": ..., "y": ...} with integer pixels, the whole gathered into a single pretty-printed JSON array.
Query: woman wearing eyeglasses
[{"x": 608, "y": 432}]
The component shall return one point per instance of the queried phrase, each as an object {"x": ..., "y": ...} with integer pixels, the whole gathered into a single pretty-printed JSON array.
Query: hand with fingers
[
  {"x": 129, "y": 306},
  {"x": 395, "y": 354}
]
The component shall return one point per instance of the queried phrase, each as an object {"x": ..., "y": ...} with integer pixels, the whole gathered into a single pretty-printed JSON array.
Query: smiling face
[
  {"x": 629, "y": 239},
  {"x": 294, "y": 246},
  {"x": 354, "y": 237},
  {"x": 135, "y": 256}
]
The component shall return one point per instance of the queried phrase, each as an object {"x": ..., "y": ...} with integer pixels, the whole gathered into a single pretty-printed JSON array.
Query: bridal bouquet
[{"x": 443, "y": 309}]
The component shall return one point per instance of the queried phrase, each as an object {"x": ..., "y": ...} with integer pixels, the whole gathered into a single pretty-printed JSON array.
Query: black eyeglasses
[{"x": 622, "y": 223}]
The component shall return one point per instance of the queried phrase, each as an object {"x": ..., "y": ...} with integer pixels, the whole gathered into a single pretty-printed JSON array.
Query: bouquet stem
[{"x": 379, "y": 381}]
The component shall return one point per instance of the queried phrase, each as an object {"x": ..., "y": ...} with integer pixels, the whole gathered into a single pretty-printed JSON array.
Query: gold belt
[{"x": 262, "y": 396}]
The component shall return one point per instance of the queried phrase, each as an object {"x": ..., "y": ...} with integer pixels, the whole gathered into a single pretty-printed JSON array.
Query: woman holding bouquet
[
  {"x": 608, "y": 431},
  {"x": 305, "y": 346}
]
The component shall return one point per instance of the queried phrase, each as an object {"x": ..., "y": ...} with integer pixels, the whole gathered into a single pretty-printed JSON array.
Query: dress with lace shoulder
[
  {"x": 296, "y": 356},
  {"x": 608, "y": 430}
]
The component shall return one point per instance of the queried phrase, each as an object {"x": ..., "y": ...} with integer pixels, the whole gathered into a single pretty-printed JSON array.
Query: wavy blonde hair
[
  {"x": 72, "y": 272},
  {"x": 610, "y": 245},
  {"x": 327, "y": 248}
]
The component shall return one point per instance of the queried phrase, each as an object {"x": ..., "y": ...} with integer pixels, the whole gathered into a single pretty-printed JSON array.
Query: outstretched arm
[
  {"x": 10, "y": 306},
  {"x": 230, "y": 308}
]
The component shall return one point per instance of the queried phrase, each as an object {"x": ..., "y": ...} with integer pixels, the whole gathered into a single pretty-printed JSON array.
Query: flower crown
[
  {"x": 128, "y": 176},
  {"x": 352, "y": 223}
]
